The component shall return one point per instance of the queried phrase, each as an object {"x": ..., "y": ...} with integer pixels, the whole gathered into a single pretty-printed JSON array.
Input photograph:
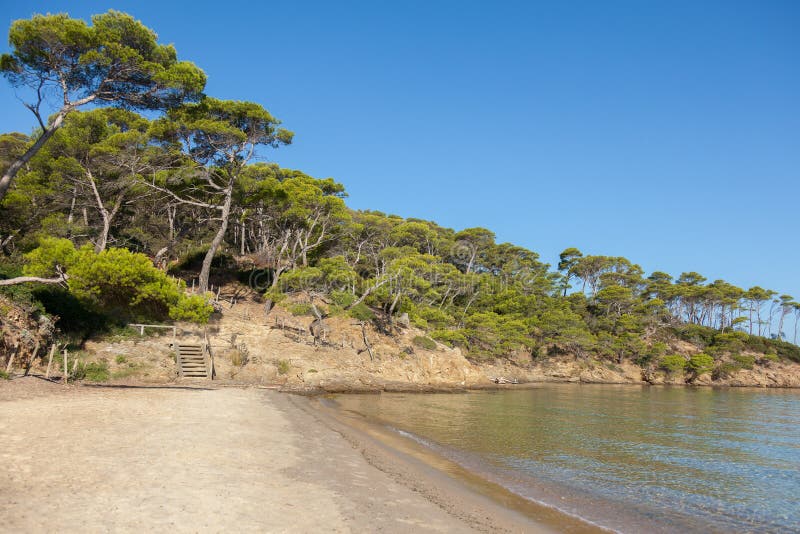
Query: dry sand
[{"x": 196, "y": 459}]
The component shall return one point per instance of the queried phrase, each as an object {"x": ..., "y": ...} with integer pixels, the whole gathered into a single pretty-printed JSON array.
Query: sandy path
[{"x": 191, "y": 460}]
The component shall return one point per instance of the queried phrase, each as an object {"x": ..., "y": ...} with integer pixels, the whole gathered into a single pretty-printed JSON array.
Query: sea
[{"x": 624, "y": 458}]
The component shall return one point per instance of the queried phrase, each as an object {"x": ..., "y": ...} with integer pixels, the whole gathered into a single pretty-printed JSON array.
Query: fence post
[{"x": 50, "y": 359}]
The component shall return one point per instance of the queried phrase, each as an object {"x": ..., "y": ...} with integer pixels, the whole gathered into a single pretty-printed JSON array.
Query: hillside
[
  {"x": 251, "y": 347},
  {"x": 148, "y": 207}
]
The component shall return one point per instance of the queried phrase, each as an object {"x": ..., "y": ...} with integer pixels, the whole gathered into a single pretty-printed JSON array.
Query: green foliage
[
  {"x": 673, "y": 363},
  {"x": 451, "y": 338},
  {"x": 192, "y": 308},
  {"x": 4, "y": 375},
  {"x": 430, "y": 317},
  {"x": 117, "y": 282},
  {"x": 744, "y": 361},
  {"x": 700, "y": 364},
  {"x": 653, "y": 353},
  {"x": 300, "y": 309},
  {"x": 361, "y": 312},
  {"x": 283, "y": 367},
  {"x": 696, "y": 334},
  {"x": 95, "y": 371},
  {"x": 120, "y": 359},
  {"x": 117, "y": 47},
  {"x": 490, "y": 335},
  {"x": 342, "y": 299},
  {"x": 424, "y": 342},
  {"x": 725, "y": 370}
]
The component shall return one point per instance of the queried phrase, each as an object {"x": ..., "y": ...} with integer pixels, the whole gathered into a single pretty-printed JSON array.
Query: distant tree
[
  {"x": 469, "y": 244},
  {"x": 786, "y": 303},
  {"x": 566, "y": 264},
  {"x": 115, "y": 61},
  {"x": 756, "y": 297}
]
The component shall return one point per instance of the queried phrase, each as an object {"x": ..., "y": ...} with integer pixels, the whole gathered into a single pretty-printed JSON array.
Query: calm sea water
[{"x": 627, "y": 458}]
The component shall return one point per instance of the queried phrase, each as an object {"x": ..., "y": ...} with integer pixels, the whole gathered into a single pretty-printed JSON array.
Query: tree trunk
[
  {"x": 205, "y": 272},
  {"x": 11, "y": 172},
  {"x": 25, "y": 279},
  {"x": 71, "y": 216}
]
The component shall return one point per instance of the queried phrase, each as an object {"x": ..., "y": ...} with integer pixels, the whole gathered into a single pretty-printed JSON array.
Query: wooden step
[{"x": 191, "y": 361}]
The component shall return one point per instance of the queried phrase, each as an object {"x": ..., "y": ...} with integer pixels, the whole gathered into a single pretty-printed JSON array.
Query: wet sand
[{"x": 195, "y": 459}]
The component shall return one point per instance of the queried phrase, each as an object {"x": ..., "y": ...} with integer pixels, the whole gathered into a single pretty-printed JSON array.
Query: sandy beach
[{"x": 201, "y": 459}]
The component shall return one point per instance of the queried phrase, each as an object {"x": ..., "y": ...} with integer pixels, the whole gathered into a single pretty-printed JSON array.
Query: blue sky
[{"x": 667, "y": 132}]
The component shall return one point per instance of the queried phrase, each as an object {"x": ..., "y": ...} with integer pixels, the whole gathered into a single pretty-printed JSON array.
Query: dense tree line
[{"x": 94, "y": 188}]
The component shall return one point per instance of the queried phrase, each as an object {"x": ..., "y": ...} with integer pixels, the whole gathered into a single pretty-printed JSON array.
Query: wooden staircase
[{"x": 192, "y": 361}]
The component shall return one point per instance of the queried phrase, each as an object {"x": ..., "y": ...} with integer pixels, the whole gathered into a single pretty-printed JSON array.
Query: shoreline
[
  {"x": 410, "y": 387},
  {"x": 465, "y": 494}
]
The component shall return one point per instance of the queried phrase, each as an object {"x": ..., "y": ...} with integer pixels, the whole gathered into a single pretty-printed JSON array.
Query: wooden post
[
  {"x": 33, "y": 355},
  {"x": 11, "y": 359},
  {"x": 66, "y": 372},
  {"x": 50, "y": 359}
]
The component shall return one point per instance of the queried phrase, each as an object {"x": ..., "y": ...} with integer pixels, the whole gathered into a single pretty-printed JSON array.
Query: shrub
[
  {"x": 4, "y": 375},
  {"x": 744, "y": 361},
  {"x": 697, "y": 334},
  {"x": 361, "y": 312},
  {"x": 342, "y": 299},
  {"x": 700, "y": 364},
  {"x": 300, "y": 308},
  {"x": 784, "y": 349},
  {"x": 283, "y": 367},
  {"x": 424, "y": 342},
  {"x": 120, "y": 359},
  {"x": 730, "y": 341},
  {"x": 117, "y": 281},
  {"x": 95, "y": 371},
  {"x": 654, "y": 352},
  {"x": 450, "y": 338},
  {"x": 432, "y": 316},
  {"x": 672, "y": 363},
  {"x": 771, "y": 357}
]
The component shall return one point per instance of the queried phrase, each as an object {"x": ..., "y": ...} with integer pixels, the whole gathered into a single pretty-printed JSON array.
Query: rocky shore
[{"x": 278, "y": 349}]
